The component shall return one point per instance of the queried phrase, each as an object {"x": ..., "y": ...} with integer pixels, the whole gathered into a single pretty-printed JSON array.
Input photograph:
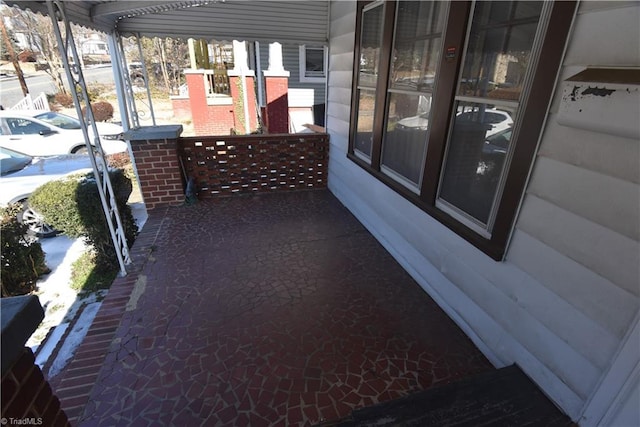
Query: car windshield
[
  {"x": 12, "y": 161},
  {"x": 59, "y": 120}
]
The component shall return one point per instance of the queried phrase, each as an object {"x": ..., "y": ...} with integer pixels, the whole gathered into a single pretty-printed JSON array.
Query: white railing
[
  {"x": 41, "y": 103},
  {"x": 27, "y": 103}
]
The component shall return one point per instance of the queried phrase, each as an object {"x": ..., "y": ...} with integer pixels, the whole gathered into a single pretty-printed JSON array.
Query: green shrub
[
  {"x": 22, "y": 258},
  {"x": 73, "y": 206},
  {"x": 102, "y": 111}
]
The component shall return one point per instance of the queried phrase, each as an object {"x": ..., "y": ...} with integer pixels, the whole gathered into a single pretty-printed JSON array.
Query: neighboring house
[
  {"x": 307, "y": 67},
  {"x": 94, "y": 50},
  {"x": 529, "y": 237}
]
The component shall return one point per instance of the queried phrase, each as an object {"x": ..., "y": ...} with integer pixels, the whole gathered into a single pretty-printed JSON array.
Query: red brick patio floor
[{"x": 277, "y": 309}]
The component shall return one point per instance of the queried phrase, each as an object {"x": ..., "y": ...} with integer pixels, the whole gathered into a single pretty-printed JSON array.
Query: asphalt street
[{"x": 11, "y": 94}]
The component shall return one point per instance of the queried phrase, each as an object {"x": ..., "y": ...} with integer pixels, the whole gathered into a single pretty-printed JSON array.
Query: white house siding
[
  {"x": 291, "y": 63},
  {"x": 563, "y": 301}
]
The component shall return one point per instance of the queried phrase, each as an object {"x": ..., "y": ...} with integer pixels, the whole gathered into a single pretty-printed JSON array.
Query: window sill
[
  {"x": 492, "y": 249},
  {"x": 219, "y": 100},
  {"x": 313, "y": 79}
]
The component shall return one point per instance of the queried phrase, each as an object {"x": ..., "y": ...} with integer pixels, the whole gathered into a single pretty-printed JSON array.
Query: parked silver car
[{"x": 22, "y": 174}]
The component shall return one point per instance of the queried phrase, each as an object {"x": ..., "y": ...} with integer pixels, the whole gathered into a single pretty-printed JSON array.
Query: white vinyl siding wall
[
  {"x": 565, "y": 297},
  {"x": 291, "y": 63}
]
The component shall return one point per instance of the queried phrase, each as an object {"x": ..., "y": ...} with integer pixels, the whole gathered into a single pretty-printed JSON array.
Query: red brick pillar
[
  {"x": 197, "y": 99},
  {"x": 155, "y": 155},
  {"x": 241, "y": 82},
  {"x": 276, "y": 90},
  {"x": 27, "y": 398},
  {"x": 238, "y": 96},
  {"x": 276, "y": 87}
]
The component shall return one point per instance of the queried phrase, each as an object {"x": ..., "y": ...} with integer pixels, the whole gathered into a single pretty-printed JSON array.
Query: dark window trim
[{"x": 534, "y": 109}]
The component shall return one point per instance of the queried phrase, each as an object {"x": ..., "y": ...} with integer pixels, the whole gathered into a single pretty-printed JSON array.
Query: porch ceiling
[{"x": 267, "y": 21}]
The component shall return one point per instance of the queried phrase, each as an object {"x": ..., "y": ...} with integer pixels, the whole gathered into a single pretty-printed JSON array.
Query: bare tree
[
  {"x": 38, "y": 30},
  {"x": 8, "y": 43}
]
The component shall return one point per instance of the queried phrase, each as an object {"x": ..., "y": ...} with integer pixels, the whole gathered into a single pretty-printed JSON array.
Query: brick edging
[{"x": 80, "y": 375}]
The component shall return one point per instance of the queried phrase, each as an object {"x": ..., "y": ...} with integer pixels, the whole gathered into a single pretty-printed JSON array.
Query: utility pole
[{"x": 14, "y": 58}]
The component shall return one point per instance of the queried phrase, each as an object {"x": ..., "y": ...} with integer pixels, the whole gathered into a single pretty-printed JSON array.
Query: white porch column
[
  {"x": 240, "y": 57},
  {"x": 275, "y": 61}
]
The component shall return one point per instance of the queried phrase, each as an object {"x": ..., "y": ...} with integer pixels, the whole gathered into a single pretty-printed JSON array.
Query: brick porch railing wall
[
  {"x": 226, "y": 165},
  {"x": 157, "y": 165},
  {"x": 27, "y": 398}
]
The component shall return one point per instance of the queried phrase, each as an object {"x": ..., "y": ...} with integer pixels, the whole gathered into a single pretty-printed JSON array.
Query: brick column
[
  {"x": 241, "y": 82},
  {"x": 27, "y": 398},
  {"x": 157, "y": 165},
  {"x": 197, "y": 98},
  {"x": 235, "y": 83},
  {"x": 276, "y": 91}
]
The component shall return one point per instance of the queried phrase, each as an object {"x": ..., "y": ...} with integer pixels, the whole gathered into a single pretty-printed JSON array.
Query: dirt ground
[{"x": 162, "y": 109}]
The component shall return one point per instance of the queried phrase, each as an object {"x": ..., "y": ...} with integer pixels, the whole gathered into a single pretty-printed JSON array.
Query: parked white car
[
  {"x": 47, "y": 133},
  {"x": 499, "y": 120},
  {"x": 22, "y": 174}
]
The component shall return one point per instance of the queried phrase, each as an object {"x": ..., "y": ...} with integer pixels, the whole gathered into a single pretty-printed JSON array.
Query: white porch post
[
  {"x": 75, "y": 78},
  {"x": 119, "y": 80},
  {"x": 146, "y": 79}
]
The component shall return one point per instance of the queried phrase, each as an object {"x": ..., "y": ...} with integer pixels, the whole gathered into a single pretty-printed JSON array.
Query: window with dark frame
[
  {"x": 449, "y": 99},
  {"x": 312, "y": 63}
]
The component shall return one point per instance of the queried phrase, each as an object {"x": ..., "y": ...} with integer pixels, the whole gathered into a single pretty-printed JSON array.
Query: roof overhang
[{"x": 295, "y": 21}]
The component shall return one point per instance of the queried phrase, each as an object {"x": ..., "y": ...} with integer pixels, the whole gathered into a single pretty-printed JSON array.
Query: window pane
[
  {"x": 25, "y": 127},
  {"x": 314, "y": 62},
  {"x": 370, "y": 42},
  {"x": 364, "y": 128},
  {"x": 416, "y": 52},
  {"x": 475, "y": 159},
  {"x": 416, "y": 45},
  {"x": 405, "y": 141},
  {"x": 499, "y": 49},
  {"x": 414, "y": 65}
]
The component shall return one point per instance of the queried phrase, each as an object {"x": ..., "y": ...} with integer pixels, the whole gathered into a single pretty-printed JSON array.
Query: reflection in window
[
  {"x": 416, "y": 52},
  {"x": 476, "y": 159},
  {"x": 499, "y": 49},
  {"x": 364, "y": 126},
  {"x": 494, "y": 73},
  {"x": 312, "y": 64},
  {"x": 371, "y": 40}
]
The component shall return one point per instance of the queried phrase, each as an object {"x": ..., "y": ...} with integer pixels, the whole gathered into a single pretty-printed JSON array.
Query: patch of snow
[
  {"x": 54, "y": 293},
  {"x": 139, "y": 212},
  {"x": 50, "y": 344},
  {"x": 75, "y": 337},
  {"x": 61, "y": 303}
]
